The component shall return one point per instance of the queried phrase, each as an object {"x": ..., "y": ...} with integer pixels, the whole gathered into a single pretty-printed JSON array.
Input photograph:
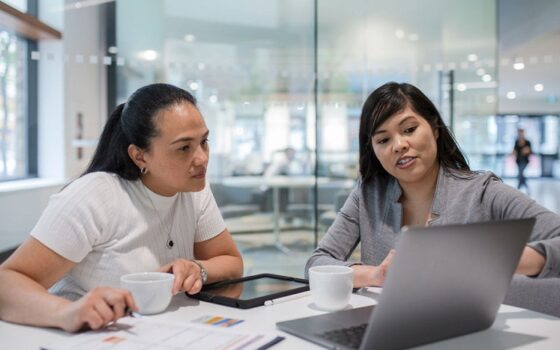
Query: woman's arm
[
  {"x": 219, "y": 257},
  {"x": 531, "y": 263},
  {"x": 24, "y": 298},
  {"x": 341, "y": 238},
  {"x": 542, "y": 255}
]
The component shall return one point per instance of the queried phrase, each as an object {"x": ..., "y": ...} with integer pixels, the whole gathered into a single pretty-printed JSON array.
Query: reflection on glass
[{"x": 251, "y": 64}]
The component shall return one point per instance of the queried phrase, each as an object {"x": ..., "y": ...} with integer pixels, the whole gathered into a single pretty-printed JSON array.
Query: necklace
[{"x": 169, "y": 243}]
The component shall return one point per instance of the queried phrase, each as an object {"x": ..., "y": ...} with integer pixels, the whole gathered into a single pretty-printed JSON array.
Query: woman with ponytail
[{"x": 143, "y": 204}]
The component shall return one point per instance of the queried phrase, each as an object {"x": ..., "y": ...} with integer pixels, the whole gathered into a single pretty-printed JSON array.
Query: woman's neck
[
  {"x": 147, "y": 181},
  {"x": 420, "y": 191},
  {"x": 417, "y": 200}
]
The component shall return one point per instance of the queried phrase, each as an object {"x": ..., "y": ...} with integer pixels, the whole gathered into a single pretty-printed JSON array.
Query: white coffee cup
[
  {"x": 331, "y": 286},
  {"x": 151, "y": 290}
]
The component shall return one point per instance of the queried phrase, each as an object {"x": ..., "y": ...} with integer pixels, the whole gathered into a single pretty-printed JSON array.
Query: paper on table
[{"x": 143, "y": 333}]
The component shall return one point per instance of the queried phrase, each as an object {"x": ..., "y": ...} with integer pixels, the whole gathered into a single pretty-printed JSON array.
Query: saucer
[{"x": 314, "y": 307}]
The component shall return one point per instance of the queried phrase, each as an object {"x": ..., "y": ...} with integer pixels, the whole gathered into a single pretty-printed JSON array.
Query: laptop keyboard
[{"x": 350, "y": 337}]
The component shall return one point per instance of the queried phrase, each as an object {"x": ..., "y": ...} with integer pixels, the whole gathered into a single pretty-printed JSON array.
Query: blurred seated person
[{"x": 281, "y": 163}]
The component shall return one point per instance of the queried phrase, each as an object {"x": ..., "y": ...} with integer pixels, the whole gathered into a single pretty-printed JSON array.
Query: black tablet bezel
[{"x": 249, "y": 303}]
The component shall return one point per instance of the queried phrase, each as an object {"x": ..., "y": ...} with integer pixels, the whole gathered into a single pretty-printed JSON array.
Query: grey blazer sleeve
[
  {"x": 507, "y": 203},
  {"x": 341, "y": 238}
]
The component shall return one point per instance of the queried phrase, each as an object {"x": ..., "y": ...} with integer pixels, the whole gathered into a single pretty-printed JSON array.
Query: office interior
[{"x": 280, "y": 84}]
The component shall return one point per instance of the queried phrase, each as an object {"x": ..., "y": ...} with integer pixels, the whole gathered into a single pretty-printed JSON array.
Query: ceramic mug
[
  {"x": 151, "y": 290},
  {"x": 331, "y": 286}
]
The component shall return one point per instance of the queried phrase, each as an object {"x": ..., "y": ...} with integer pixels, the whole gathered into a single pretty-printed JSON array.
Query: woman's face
[
  {"x": 405, "y": 145},
  {"x": 178, "y": 155}
]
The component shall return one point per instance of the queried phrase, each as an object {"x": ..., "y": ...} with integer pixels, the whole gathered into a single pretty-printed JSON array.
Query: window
[{"x": 14, "y": 160}]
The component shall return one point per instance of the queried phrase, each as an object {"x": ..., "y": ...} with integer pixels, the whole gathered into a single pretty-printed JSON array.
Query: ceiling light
[
  {"x": 213, "y": 98},
  {"x": 480, "y": 72},
  {"x": 538, "y": 87},
  {"x": 490, "y": 99},
  {"x": 511, "y": 95},
  {"x": 148, "y": 55},
  {"x": 399, "y": 33},
  {"x": 519, "y": 65},
  {"x": 486, "y": 78},
  {"x": 193, "y": 85},
  {"x": 472, "y": 57},
  {"x": 461, "y": 87},
  {"x": 189, "y": 38}
]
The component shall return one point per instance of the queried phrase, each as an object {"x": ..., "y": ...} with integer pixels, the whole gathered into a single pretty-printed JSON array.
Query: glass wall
[
  {"x": 446, "y": 48},
  {"x": 251, "y": 64}
]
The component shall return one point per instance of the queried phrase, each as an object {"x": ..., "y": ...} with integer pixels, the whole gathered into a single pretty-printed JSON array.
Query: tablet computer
[{"x": 251, "y": 291}]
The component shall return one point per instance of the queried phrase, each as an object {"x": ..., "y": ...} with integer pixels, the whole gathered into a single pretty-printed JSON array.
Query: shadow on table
[
  {"x": 181, "y": 300},
  {"x": 487, "y": 339}
]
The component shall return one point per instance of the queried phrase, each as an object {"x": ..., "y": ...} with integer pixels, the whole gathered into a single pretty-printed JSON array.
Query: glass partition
[
  {"x": 445, "y": 48},
  {"x": 251, "y": 65}
]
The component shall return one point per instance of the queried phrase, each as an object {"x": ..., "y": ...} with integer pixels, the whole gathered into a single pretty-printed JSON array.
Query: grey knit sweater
[{"x": 479, "y": 197}]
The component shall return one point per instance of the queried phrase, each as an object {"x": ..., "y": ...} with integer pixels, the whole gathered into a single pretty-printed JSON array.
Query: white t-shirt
[{"x": 109, "y": 227}]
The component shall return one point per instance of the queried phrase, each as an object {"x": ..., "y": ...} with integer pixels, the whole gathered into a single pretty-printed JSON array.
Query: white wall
[{"x": 21, "y": 208}]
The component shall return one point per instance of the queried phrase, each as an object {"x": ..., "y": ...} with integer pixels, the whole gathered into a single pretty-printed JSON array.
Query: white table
[
  {"x": 278, "y": 182},
  {"x": 514, "y": 327}
]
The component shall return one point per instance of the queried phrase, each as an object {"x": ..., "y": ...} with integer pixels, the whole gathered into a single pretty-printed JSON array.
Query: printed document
[{"x": 143, "y": 333}]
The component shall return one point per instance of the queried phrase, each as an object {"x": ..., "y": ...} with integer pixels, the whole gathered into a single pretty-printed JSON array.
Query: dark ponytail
[{"x": 133, "y": 122}]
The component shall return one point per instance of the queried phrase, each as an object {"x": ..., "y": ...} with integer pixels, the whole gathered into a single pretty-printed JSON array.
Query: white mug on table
[
  {"x": 331, "y": 286},
  {"x": 151, "y": 290}
]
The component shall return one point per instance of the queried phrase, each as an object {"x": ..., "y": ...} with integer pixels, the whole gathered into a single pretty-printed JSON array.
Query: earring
[{"x": 143, "y": 171}]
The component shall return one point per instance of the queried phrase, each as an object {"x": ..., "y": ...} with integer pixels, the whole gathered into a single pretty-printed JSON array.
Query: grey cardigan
[{"x": 458, "y": 198}]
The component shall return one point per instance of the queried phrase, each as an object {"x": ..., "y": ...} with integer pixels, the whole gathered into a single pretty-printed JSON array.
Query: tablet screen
[{"x": 254, "y": 288}]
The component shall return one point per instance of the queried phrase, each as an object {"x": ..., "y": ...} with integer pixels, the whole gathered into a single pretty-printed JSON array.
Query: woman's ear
[{"x": 137, "y": 155}]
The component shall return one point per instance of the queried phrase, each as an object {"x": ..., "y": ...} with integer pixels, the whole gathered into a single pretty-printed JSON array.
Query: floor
[{"x": 261, "y": 256}]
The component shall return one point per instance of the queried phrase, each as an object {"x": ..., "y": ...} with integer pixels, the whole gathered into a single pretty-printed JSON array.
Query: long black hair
[
  {"x": 388, "y": 100},
  {"x": 133, "y": 122}
]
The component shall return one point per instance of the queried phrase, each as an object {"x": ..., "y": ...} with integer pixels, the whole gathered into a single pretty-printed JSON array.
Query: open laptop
[{"x": 444, "y": 281}]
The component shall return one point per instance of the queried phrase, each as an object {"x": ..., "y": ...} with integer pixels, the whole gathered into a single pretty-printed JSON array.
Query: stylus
[{"x": 286, "y": 298}]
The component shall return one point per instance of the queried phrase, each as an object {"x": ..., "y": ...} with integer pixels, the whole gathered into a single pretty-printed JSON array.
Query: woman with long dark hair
[
  {"x": 143, "y": 204},
  {"x": 413, "y": 173}
]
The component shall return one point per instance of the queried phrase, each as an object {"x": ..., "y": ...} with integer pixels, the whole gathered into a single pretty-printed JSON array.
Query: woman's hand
[
  {"x": 531, "y": 262},
  {"x": 96, "y": 309},
  {"x": 187, "y": 276},
  {"x": 367, "y": 275}
]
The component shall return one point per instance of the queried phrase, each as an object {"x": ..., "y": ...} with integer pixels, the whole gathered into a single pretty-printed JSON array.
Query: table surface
[{"x": 514, "y": 327}]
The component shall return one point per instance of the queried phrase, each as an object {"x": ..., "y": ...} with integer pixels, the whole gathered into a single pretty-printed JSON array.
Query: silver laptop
[{"x": 444, "y": 281}]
